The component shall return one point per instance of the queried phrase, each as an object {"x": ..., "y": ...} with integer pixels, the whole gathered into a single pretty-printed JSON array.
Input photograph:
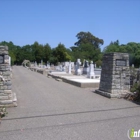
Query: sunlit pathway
[{"x": 52, "y": 110}]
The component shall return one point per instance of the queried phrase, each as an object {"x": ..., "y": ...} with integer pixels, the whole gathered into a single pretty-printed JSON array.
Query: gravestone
[
  {"x": 60, "y": 67},
  {"x": 77, "y": 67},
  {"x": 91, "y": 73},
  {"x": 7, "y": 97},
  {"x": 86, "y": 67},
  {"x": 115, "y": 75},
  {"x": 35, "y": 64},
  {"x": 63, "y": 68},
  {"x": 69, "y": 68},
  {"x": 41, "y": 65},
  {"x": 48, "y": 65}
]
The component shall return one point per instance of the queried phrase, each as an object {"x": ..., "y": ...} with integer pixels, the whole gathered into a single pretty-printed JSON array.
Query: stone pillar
[
  {"x": 7, "y": 97},
  {"x": 115, "y": 75}
]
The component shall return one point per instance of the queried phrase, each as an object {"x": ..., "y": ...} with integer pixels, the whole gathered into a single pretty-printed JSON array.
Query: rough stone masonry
[
  {"x": 7, "y": 97},
  {"x": 115, "y": 75}
]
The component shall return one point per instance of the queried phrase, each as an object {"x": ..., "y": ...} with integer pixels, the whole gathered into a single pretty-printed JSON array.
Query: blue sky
[{"x": 54, "y": 21}]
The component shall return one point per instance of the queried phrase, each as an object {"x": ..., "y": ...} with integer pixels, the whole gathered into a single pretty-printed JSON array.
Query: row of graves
[
  {"x": 112, "y": 80},
  {"x": 7, "y": 96},
  {"x": 86, "y": 69},
  {"x": 78, "y": 74}
]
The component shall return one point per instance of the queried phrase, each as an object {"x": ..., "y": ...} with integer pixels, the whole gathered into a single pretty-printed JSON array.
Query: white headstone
[
  {"x": 60, "y": 66},
  {"x": 41, "y": 63},
  {"x": 77, "y": 70},
  {"x": 63, "y": 68},
  {"x": 91, "y": 72},
  {"x": 69, "y": 70}
]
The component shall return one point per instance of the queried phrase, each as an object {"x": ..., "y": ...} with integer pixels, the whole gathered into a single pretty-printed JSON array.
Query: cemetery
[
  {"x": 64, "y": 94},
  {"x": 113, "y": 80},
  {"x": 71, "y": 73},
  {"x": 70, "y": 70}
]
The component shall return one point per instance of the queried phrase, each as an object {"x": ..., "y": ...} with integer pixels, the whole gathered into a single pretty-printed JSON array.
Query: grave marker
[{"x": 115, "y": 75}]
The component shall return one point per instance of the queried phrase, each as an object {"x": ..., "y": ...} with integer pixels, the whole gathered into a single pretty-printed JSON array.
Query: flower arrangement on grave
[{"x": 3, "y": 112}]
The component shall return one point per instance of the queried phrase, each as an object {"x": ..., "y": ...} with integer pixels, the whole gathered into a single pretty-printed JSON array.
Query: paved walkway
[{"x": 52, "y": 110}]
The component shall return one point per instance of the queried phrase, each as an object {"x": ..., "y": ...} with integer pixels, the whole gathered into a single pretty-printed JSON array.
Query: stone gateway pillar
[
  {"x": 115, "y": 75},
  {"x": 7, "y": 97}
]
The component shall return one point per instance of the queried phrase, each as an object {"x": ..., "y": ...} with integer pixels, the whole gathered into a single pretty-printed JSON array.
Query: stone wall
[
  {"x": 7, "y": 97},
  {"x": 115, "y": 75}
]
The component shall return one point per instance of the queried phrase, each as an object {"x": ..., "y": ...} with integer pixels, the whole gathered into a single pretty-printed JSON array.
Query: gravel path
[{"x": 52, "y": 110}]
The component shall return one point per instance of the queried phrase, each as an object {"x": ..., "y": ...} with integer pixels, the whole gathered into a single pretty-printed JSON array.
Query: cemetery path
[{"x": 52, "y": 110}]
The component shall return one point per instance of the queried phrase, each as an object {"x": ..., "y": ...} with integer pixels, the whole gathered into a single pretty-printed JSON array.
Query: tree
[
  {"x": 13, "y": 57},
  {"x": 132, "y": 48},
  {"x": 53, "y": 59},
  {"x": 87, "y": 37},
  {"x": 61, "y": 53},
  {"x": 47, "y": 52},
  {"x": 37, "y": 52},
  {"x": 27, "y": 53},
  {"x": 13, "y": 50},
  {"x": 87, "y": 47},
  {"x": 112, "y": 47}
]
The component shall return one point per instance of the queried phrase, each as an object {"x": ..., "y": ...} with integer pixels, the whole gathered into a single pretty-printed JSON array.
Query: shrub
[{"x": 3, "y": 112}]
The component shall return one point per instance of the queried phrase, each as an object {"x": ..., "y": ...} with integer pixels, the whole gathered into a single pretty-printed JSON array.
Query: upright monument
[
  {"x": 7, "y": 97},
  {"x": 115, "y": 75}
]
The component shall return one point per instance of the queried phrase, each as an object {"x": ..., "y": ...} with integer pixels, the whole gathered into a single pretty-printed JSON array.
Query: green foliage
[
  {"x": 135, "y": 88},
  {"x": 88, "y": 38},
  {"x": 13, "y": 57},
  {"x": 38, "y": 52},
  {"x": 136, "y": 93},
  {"x": 3, "y": 112},
  {"x": 98, "y": 63},
  {"x": 47, "y": 52},
  {"x": 132, "y": 48},
  {"x": 61, "y": 53},
  {"x": 13, "y": 49},
  {"x": 87, "y": 47}
]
